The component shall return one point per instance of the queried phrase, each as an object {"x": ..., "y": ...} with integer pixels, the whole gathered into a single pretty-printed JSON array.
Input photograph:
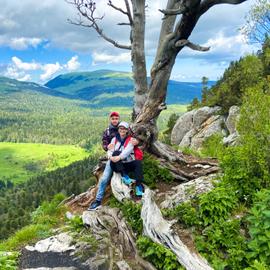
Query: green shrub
[
  {"x": 254, "y": 128},
  {"x": 247, "y": 167},
  {"x": 216, "y": 205},
  {"x": 49, "y": 212},
  {"x": 162, "y": 258},
  {"x": 76, "y": 223},
  {"x": 256, "y": 265},
  {"x": 25, "y": 236},
  {"x": 167, "y": 133},
  {"x": 189, "y": 151},
  {"x": 223, "y": 245},
  {"x": 9, "y": 260},
  {"x": 213, "y": 146},
  {"x": 240, "y": 75},
  {"x": 185, "y": 214},
  {"x": 259, "y": 228},
  {"x": 153, "y": 173}
]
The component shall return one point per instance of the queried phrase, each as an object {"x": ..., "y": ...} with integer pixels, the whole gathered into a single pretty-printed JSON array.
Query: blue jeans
[{"x": 103, "y": 182}]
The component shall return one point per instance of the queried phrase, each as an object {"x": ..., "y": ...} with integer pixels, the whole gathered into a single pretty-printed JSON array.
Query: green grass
[{"x": 20, "y": 161}]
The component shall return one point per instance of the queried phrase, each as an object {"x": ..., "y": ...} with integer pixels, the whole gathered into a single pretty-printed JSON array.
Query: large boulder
[
  {"x": 194, "y": 127},
  {"x": 232, "y": 119},
  {"x": 182, "y": 126},
  {"x": 202, "y": 114},
  {"x": 213, "y": 125}
]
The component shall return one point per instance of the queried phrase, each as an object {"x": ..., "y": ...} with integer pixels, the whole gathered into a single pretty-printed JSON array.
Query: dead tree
[{"x": 149, "y": 101}]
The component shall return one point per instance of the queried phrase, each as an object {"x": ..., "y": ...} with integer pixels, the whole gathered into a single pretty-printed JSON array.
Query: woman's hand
[
  {"x": 134, "y": 141},
  {"x": 110, "y": 146},
  {"x": 115, "y": 158}
]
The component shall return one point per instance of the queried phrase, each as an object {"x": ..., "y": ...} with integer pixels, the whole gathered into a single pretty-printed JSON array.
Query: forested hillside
[{"x": 17, "y": 203}]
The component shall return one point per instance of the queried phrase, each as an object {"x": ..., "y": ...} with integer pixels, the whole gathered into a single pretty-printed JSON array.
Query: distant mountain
[
  {"x": 100, "y": 88},
  {"x": 107, "y": 87},
  {"x": 11, "y": 86}
]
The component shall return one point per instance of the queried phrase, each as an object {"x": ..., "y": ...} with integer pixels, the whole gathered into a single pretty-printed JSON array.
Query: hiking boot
[
  {"x": 139, "y": 190},
  {"x": 126, "y": 180},
  {"x": 94, "y": 206}
]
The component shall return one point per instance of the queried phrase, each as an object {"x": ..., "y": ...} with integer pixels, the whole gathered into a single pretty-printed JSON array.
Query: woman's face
[{"x": 122, "y": 131}]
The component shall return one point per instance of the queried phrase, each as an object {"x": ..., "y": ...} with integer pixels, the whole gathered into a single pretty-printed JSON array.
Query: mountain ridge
[{"x": 101, "y": 88}]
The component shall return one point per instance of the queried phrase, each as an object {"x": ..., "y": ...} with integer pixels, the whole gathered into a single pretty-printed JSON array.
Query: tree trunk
[{"x": 138, "y": 56}]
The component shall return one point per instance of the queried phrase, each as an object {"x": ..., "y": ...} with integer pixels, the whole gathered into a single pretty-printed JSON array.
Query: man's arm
[{"x": 105, "y": 140}]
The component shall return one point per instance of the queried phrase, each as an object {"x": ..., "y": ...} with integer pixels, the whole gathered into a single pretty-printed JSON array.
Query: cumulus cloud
[
  {"x": 20, "y": 43},
  {"x": 17, "y": 68},
  {"x": 52, "y": 17},
  {"x": 26, "y": 77},
  {"x": 223, "y": 48},
  {"x": 73, "y": 64},
  {"x": 19, "y": 64},
  {"x": 110, "y": 58},
  {"x": 50, "y": 70},
  {"x": 14, "y": 73}
]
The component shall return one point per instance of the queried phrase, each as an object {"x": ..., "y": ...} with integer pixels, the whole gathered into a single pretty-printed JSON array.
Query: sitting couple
[{"x": 124, "y": 157}]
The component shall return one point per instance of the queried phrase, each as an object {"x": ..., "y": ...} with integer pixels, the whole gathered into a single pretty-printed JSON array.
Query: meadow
[
  {"x": 39, "y": 133},
  {"x": 20, "y": 161}
]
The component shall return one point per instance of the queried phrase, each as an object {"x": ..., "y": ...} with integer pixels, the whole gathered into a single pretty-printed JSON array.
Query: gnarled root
[{"x": 160, "y": 231}]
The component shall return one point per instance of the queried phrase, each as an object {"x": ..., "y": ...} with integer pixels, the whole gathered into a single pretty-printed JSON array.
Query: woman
[{"x": 123, "y": 158}]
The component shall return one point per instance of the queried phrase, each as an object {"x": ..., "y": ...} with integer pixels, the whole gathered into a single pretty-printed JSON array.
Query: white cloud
[
  {"x": 110, "y": 58},
  {"x": 23, "y": 43},
  {"x": 19, "y": 43},
  {"x": 17, "y": 68},
  {"x": 26, "y": 77},
  {"x": 19, "y": 64},
  {"x": 50, "y": 70},
  {"x": 73, "y": 64},
  {"x": 14, "y": 73}
]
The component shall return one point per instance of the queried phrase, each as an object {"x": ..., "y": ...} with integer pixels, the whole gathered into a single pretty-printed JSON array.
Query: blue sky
[{"x": 37, "y": 43}]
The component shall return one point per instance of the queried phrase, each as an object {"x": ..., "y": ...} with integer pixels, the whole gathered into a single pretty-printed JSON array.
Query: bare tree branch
[
  {"x": 196, "y": 47},
  {"x": 123, "y": 24},
  {"x": 86, "y": 9},
  {"x": 129, "y": 12},
  {"x": 176, "y": 11},
  {"x": 206, "y": 4},
  {"x": 117, "y": 8}
]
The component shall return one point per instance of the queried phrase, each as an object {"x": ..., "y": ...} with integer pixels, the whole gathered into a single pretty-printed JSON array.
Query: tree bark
[{"x": 138, "y": 56}]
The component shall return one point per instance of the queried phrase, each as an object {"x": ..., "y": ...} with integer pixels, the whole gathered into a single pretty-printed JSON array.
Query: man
[
  {"x": 107, "y": 137},
  {"x": 111, "y": 130}
]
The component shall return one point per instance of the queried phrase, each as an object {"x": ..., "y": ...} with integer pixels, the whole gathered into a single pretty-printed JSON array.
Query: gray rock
[
  {"x": 232, "y": 119},
  {"x": 232, "y": 139},
  {"x": 186, "y": 141},
  {"x": 182, "y": 126},
  {"x": 52, "y": 268},
  {"x": 189, "y": 190},
  {"x": 213, "y": 125},
  {"x": 202, "y": 114},
  {"x": 123, "y": 265},
  {"x": 58, "y": 243}
]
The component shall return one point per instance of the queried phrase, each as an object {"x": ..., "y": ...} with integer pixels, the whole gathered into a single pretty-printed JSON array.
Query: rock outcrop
[
  {"x": 194, "y": 127},
  {"x": 108, "y": 242},
  {"x": 187, "y": 191}
]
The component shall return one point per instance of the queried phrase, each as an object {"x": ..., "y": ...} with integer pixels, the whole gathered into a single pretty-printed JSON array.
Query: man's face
[{"x": 115, "y": 120}]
